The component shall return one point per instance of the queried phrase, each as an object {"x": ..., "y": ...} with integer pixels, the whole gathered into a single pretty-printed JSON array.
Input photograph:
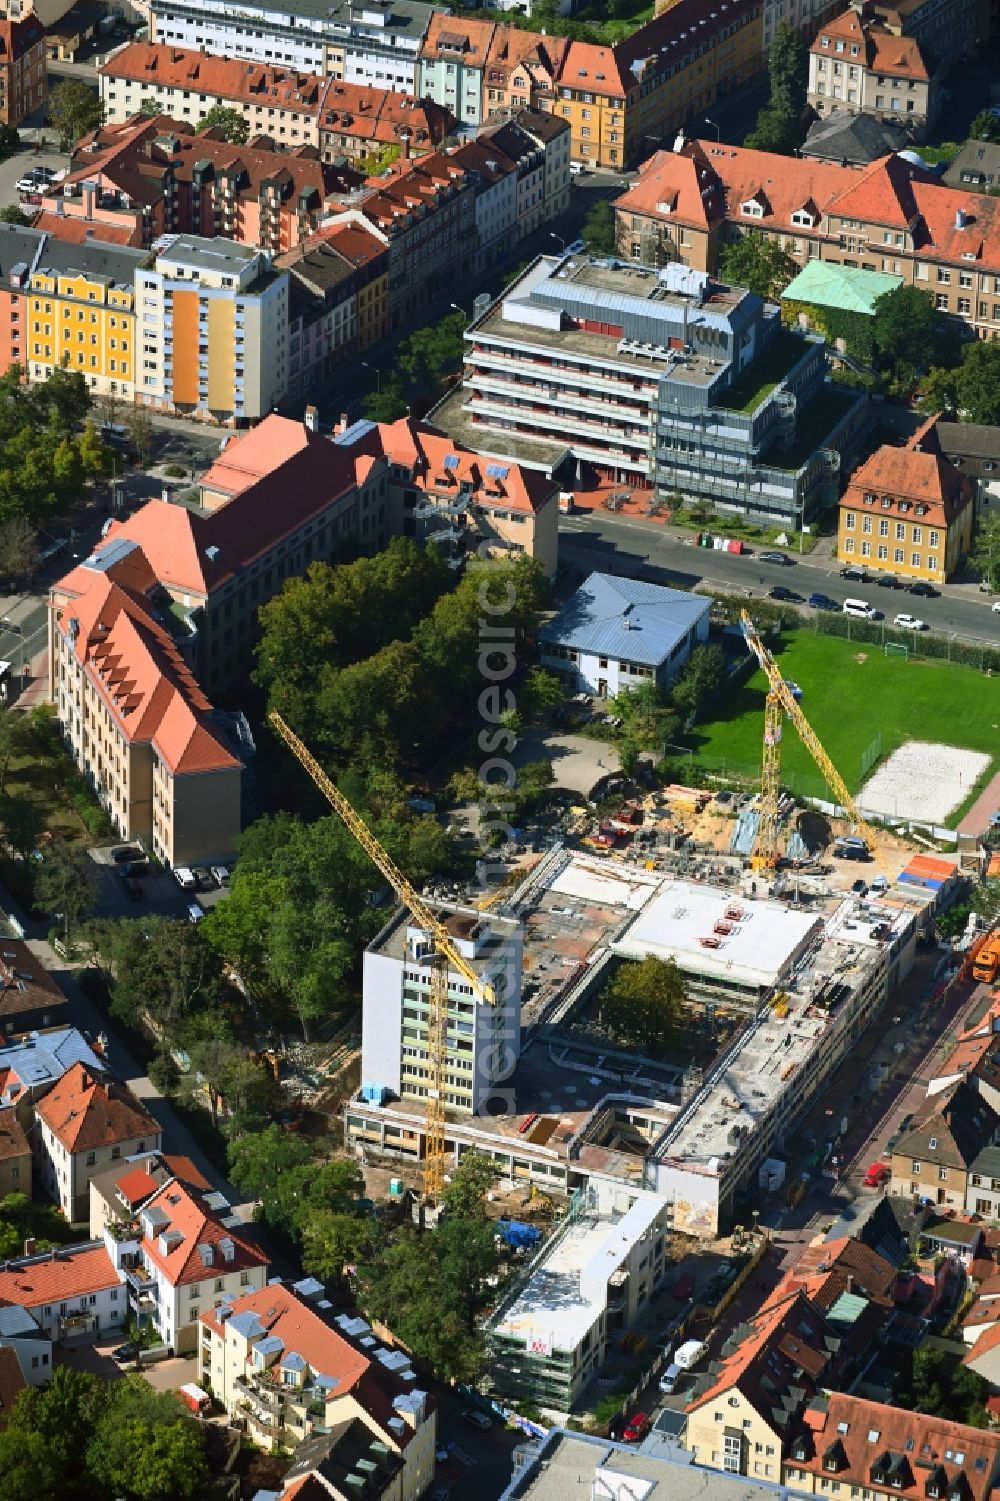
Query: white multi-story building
[
  {"x": 376, "y": 42},
  {"x": 181, "y": 1256},
  {"x": 86, "y": 1122},
  {"x": 483, "y": 1039},
  {"x": 283, "y": 1366}
]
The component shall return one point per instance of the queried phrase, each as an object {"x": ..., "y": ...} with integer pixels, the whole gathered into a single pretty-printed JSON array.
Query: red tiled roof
[
  {"x": 787, "y": 1343},
  {"x": 302, "y": 1330},
  {"x": 12, "y": 1382},
  {"x": 141, "y": 676},
  {"x": 85, "y": 1112},
  {"x": 444, "y": 31},
  {"x": 223, "y": 77},
  {"x": 867, "y": 1442},
  {"x": 57, "y": 1278},
  {"x": 884, "y": 52},
  {"x": 78, "y": 231},
  {"x": 915, "y": 474},
  {"x": 838, "y": 1266},
  {"x": 176, "y": 1209},
  {"x": 424, "y": 448},
  {"x": 13, "y": 1141},
  {"x": 251, "y": 456},
  {"x": 136, "y": 1185}
]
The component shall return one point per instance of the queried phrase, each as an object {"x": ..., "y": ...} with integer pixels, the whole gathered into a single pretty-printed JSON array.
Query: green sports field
[{"x": 850, "y": 694}]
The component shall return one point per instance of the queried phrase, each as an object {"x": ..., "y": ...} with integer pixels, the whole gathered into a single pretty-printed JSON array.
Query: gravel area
[{"x": 923, "y": 781}]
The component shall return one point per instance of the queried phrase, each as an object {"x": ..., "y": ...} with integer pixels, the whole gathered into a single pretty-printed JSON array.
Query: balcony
[{"x": 261, "y": 1391}]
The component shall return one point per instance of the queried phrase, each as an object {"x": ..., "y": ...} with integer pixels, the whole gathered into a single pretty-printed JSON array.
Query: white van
[
  {"x": 576, "y": 169},
  {"x": 669, "y": 1379},
  {"x": 689, "y": 1354},
  {"x": 859, "y": 607}
]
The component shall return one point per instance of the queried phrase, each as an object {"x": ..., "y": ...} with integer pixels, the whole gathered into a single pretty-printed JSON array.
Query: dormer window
[
  {"x": 933, "y": 1141},
  {"x": 824, "y": 41},
  {"x": 803, "y": 217},
  {"x": 752, "y": 209}
]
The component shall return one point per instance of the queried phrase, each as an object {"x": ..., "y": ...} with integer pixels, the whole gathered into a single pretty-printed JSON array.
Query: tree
[
  {"x": 234, "y": 126},
  {"x": 145, "y": 1446},
  {"x": 759, "y": 263},
  {"x": 74, "y": 110},
  {"x": 985, "y": 553},
  {"x": 13, "y": 213},
  {"x": 159, "y": 967},
  {"x": 10, "y": 141},
  {"x": 985, "y": 126},
  {"x": 977, "y": 383},
  {"x": 65, "y": 884},
  {"x": 700, "y": 677},
  {"x": 141, "y": 433},
  {"x": 986, "y": 901},
  {"x": 939, "y": 391},
  {"x": 375, "y": 162},
  {"x": 904, "y": 325},
  {"x": 599, "y": 228},
  {"x": 644, "y": 1005},
  {"x": 539, "y": 692},
  {"x": 18, "y": 549},
  {"x": 471, "y": 1181},
  {"x": 15, "y": 738},
  {"x": 780, "y": 123}
]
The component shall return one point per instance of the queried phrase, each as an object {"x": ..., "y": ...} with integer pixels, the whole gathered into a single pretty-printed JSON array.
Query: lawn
[
  {"x": 850, "y": 694},
  {"x": 761, "y": 376}
]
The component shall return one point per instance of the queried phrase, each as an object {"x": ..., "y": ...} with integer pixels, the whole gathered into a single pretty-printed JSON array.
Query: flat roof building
[{"x": 665, "y": 380}]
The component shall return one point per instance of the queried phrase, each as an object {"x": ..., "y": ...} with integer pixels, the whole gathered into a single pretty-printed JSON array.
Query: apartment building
[
  {"x": 375, "y": 43},
  {"x": 339, "y": 286},
  {"x": 621, "y": 101},
  {"x": 64, "y": 304},
  {"x": 214, "y": 321},
  {"x": 147, "y": 177},
  {"x": 857, "y": 64},
  {"x": 357, "y": 122},
  {"x": 949, "y": 30},
  {"x": 495, "y": 183},
  {"x": 83, "y": 1123},
  {"x": 908, "y": 511},
  {"x": 552, "y": 136},
  {"x": 283, "y": 1366},
  {"x": 24, "y": 85},
  {"x": 849, "y": 1442},
  {"x": 31, "y": 1065},
  {"x": 554, "y": 1329},
  {"x": 933, "y": 1158},
  {"x": 892, "y": 217},
  {"x": 666, "y": 380},
  {"x": 29, "y": 997},
  {"x": 453, "y": 64},
  {"x": 138, "y": 725},
  {"x": 426, "y": 209},
  {"x": 181, "y": 1255},
  {"x": 527, "y": 155},
  {"x": 521, "y": 71},
  {"x": 15, "y": 1154},
  {"x": 801, "y": 15},
  {"x": 73, "y": 1295},
  {"x": 483, "y": 1039},
  {"x": 117, "y": 1194}
]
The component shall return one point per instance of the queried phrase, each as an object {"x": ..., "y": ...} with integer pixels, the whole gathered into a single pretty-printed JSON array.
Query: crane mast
[
  {"x": 780, "y": 699},
  {"x": 446, "y": 956}
]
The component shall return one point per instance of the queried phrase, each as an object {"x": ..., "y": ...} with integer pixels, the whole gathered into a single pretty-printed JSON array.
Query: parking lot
[
  {"x": 22, "y": 162},
  {"x": 155, "y": 891}
]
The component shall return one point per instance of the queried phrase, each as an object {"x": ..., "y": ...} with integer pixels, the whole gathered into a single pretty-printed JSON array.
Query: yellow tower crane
[
  {"x": 445, "y": 956},
  {"x": 781, "y": 701}
]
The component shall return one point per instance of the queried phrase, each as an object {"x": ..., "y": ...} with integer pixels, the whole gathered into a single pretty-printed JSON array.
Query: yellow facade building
[
  {"x": 907, "y": 511},
  {"x": 80, "y": 312}
]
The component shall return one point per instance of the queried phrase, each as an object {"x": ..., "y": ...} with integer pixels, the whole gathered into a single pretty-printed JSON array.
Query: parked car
[
  {"x": 126, "y": 1352},
  {"x": 477, "y": 1420},
  {"x": 689, "y": 1353},
  {"x": 194, "y": 913},
  {"x": 220, "y": 875},
  {"x": 853, "y": 571},
  {"x": 910, "y": 623},
  {"x": 636, "y": 1428},
  {"x": 822, "y": 602},
  {"x": 926, "y": 591},
  {"x": 776, "y": 557},
  {"x": 886, "y": 581},
  {"x": 135, "y": 869},
  {"x": 186, "y": 878},
  {"x": 125, "y": 854},
  {"x": 669, "y": 1379},
  {"x": 132, "y": 889},
  {"x": 860, "y": 887},
  {"x": 780, "y": 592},
  {"x": 996, "y": 608},
  {"x": 876, "y": 1175},
  {"x": 203, "y": 878}
]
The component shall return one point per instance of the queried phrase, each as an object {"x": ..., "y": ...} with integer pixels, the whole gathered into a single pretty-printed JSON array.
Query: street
[{"x": 615, "y": 544}]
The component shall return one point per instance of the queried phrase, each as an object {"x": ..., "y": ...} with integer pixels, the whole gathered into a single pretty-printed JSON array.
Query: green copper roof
[{"x": 844, "y": 287}]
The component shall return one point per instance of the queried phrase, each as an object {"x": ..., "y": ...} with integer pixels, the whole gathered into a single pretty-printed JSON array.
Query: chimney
[
  {"x": 311, "y": 419},
  {"x": 961, "y": 218},
  {"x": 404, "y": 136},
  {"x": 29, "y": 1245},
  {"x": 342, "y": 425},
  {"x": 88, "y": 200}
]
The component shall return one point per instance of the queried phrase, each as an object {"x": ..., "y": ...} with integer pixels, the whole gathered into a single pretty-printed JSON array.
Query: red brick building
[{"x": 24, "y": 85}]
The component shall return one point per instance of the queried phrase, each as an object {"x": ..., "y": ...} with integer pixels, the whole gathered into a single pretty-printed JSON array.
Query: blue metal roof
[{"x": 626, "y": 619}]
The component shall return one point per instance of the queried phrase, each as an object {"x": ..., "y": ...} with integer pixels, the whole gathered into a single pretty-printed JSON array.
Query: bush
[
  {"x": 164, "y": 1074},
  {"x": 175, "y": 471}
]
